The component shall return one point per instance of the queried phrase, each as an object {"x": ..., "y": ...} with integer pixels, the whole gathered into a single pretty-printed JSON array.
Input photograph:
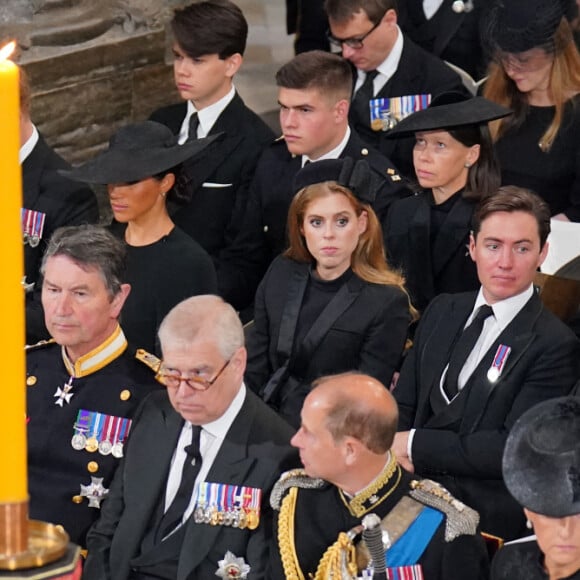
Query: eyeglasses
[
  {"x": 353, "y": 41},
  {"x": 173, "y": 380}
]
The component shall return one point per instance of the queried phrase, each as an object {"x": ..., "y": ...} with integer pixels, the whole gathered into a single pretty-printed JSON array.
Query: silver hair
[{"x": 206, "y": 316}]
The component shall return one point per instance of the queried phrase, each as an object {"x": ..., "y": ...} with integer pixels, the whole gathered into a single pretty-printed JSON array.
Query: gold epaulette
[
  {"x": 289, "y": 479},
  {"x": 460, "y": 519},
  {"x": 148, "y": 359},
  {"x": 39, "y": 344}
]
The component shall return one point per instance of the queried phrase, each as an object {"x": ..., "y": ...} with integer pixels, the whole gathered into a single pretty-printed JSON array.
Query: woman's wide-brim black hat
[
  {"x": 136, "y": 152},
  {"x": 541, "y": 460},
  {"x": 450, "y": 111},
  {"x": 519, "y": 25}
]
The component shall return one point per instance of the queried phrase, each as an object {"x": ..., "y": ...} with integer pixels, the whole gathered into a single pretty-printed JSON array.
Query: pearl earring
[
  {"x": 467, "y": 165},
  {"x": 529, "y": 525}
]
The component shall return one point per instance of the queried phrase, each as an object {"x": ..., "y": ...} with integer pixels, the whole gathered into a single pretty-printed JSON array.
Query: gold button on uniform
[
  {"x": 31, "y": 380},
  {"x": 93, "y": 466},
  {"x": 77, "y": 498},
  {"x": 125, "y": 395}
]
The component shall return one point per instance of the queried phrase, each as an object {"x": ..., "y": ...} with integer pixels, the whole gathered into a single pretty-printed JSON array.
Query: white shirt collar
[
  {"x": 30, "y": 144},
  {"x": 430, "y": 7},
  {"x": 506, "y": 310},
  {"x": 207, "y": 117},
  {"x": 334, "y": 153},
  {"x": 387, "y": 68}
]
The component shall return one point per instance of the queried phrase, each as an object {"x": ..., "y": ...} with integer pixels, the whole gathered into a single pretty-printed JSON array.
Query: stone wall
[{"x": 93, "y": 65}]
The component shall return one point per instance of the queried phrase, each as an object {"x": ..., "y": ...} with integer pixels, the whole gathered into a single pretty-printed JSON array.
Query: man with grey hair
[
  {"x": 200, "y": 507},
  {"x": 83, "y": 385}
]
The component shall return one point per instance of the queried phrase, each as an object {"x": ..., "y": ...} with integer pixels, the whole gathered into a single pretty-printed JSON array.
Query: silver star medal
[
  {"x": 232, "y": 568},
  {"x": 64, "y": 395},
  {"x": 95, "y": 492}
]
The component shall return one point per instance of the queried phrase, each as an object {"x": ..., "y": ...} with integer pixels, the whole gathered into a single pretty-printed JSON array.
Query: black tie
[
  {"x": 360, "y": 102},
  {"x": 463, "y": 348},
  {"x": 193, "y": 125},
  {"x": 174, "y": 514}
]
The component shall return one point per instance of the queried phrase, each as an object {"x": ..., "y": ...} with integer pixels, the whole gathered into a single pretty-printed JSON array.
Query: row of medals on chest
[{"x": 236, "y": 515}]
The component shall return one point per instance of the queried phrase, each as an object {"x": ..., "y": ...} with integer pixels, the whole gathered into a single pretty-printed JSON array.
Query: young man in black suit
[
  {"x": 199, "y": 465},
  {"x": 479, "y": 360},
  {"x": 314, "y": 91},
  {"x": 210, "y": 39},
  {"x": 388, "y": 65},
  {"x": 50, "y": 201}
]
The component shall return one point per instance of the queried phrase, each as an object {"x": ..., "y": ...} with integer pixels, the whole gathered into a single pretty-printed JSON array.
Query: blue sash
[{"x": 407, "y": 550}]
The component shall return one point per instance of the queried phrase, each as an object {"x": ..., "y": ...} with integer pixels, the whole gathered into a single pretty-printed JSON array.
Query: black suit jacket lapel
[
  {"x": 436, "y": 349},
  {"x": 447, "y": 22},
  {"x": 217, "y": 153},
  {"x": 231, "y": 465},
  {"x": 518, "y": 335},
  {"x": 345, "y": 296},
  {"x": 158, "y": 440},
  {"x": 452, "y": 234},
  {"x": 419, "y": 244}
]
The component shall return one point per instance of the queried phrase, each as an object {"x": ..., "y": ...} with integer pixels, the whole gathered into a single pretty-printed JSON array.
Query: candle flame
[{"x": 7, "y": 50}]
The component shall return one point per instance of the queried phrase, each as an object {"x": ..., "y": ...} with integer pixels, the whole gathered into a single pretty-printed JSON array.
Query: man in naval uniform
[
  {"x": 84, "y": 385},
  {"x": 314, "y": 91},
  {"x": 348, "y": 425},
  {"x": 191, "y": 498}
]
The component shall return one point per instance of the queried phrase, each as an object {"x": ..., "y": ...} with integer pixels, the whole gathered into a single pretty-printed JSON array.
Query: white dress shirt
[
  {"x": 207, "y": 117},
  {"x": 211, "y": 439},
  {"x": 430, "y": 7},
  {"x": 386, "y": 69},
  {"x": 30, "y": 144}
]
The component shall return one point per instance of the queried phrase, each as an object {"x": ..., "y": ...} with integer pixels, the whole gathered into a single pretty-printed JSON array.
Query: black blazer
[
  {"x": 418, "y": 73},
  {"x": 263, "y": 234},
  {"x": 367, "y": 333},
  {"x": 65, "y": 203},
  {"x": 220, "y": 178},
  {"x": 254, "y": 453},
  {"x": 452, "y": 36},
  {"x": 444, "y": 266},
  {"x": 462, "y": 447}
]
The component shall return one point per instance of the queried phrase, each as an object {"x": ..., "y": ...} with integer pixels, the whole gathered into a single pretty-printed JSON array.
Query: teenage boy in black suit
[{"x": 210, "y": 39}]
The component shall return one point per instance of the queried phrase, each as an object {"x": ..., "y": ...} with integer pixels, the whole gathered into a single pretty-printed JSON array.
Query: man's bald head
[{"x": 357, "y": 406}]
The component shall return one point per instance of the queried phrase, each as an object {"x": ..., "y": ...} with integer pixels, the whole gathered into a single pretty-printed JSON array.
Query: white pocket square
[{"x": 216, "y": 185}]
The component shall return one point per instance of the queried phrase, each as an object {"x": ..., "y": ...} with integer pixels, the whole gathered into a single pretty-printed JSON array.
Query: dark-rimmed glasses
[
  {"x": 173, "y": 380},
  {"x": 353, "y": 41}
]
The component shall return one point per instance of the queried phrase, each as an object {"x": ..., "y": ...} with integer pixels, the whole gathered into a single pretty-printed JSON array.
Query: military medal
[
  {"x": 92, "y": 443},
  {"x": 124, "y": 426},
  {"x": 32, "y": 226},
  {"x": 105, "y": 445},
  {"x": 498, "y": 364},
  {"x": 81, "y": 426},
  {"x": 232, "y": 568},
  {"x": 95, "y": 492},
  {"x": 199, "y": 511},
  {"x": 64, "y": 395}
]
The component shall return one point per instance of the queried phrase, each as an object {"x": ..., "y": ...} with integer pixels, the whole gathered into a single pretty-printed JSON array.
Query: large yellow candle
[{"x": 13, "y": 487}]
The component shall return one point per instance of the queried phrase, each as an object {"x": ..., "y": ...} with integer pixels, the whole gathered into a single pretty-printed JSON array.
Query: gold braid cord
[
  {"x": 286, "y": 537},
  {"x": 339, "y": 561}
]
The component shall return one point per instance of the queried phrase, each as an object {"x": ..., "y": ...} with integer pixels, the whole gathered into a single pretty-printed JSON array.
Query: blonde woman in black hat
[
  {"x": 541, "y": 468},
  {"x": 536, "y": 72},
  {"x": 329, "y": 304},
  {"x": 142, "y": 171},
  {"x": 426, "y": 235}
]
